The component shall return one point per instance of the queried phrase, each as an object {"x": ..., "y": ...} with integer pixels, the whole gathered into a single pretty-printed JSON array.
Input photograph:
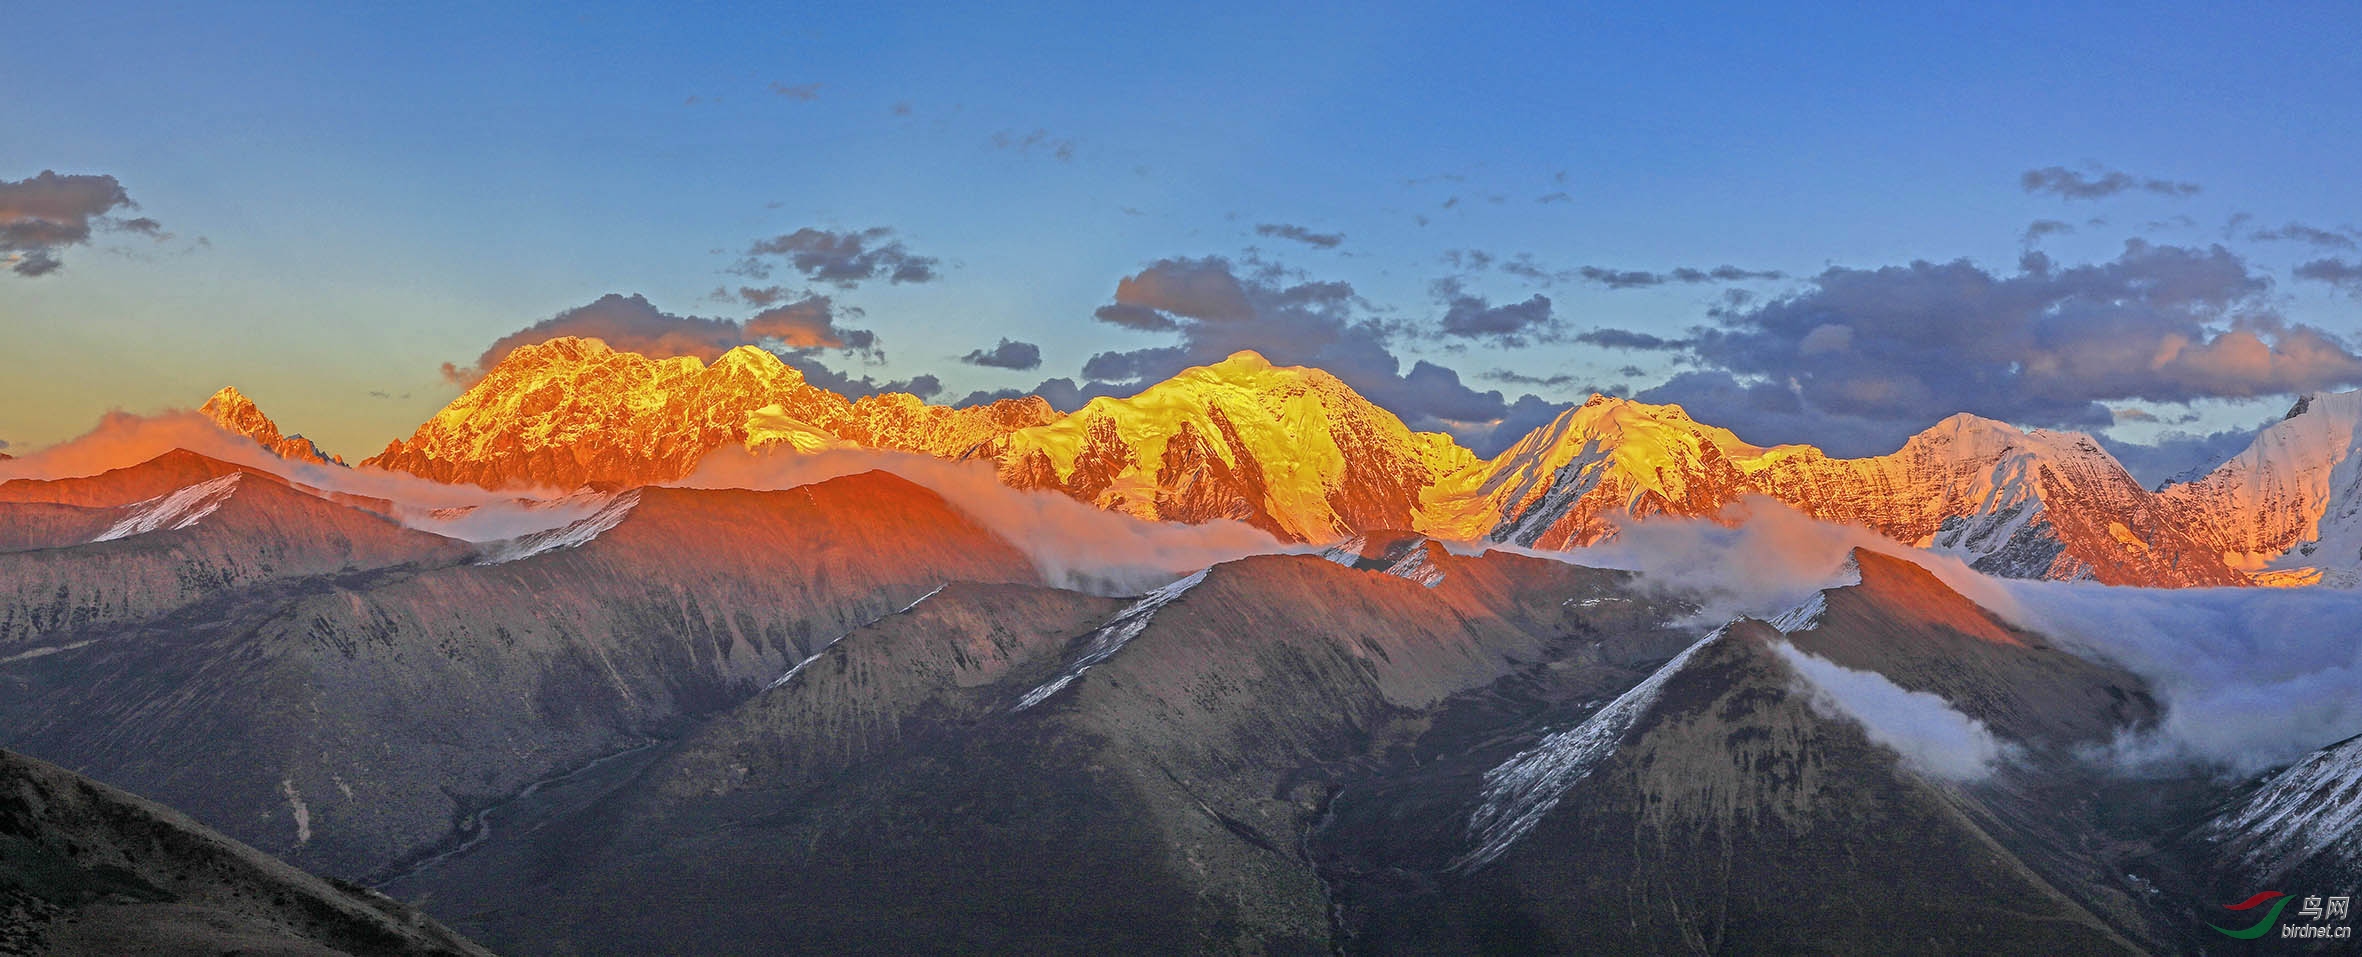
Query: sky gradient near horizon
[{"x": 2116, "y": 211}]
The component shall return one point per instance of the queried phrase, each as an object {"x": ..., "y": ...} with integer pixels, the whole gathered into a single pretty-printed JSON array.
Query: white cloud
[{"x": 1931, "y": 736}]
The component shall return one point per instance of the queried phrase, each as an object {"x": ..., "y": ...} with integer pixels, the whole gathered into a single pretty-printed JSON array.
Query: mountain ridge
[{"x": 1300, "y": 454}]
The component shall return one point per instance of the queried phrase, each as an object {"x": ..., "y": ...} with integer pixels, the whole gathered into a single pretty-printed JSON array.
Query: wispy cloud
[
  {"x": 1300, "y": 234},
  {"x": 2098, "y": 182},
  {"x": 1058, "y": 147}
]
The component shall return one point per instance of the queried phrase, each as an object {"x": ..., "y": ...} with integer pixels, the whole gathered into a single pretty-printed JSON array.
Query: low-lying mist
[
  {"x": 2251, "y": 678},
  {"x": 121, "y": 440},
  {"x": 1075, "y": 545}
]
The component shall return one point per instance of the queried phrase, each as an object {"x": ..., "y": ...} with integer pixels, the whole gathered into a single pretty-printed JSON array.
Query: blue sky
[{"x": 382, "y": 190}]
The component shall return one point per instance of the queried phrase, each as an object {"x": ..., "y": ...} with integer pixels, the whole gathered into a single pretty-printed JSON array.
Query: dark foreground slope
[
  {"x": 88, "y": 869},
  {"x": 1026, "y": 770},
  {"x": 1394, "y": 751}
]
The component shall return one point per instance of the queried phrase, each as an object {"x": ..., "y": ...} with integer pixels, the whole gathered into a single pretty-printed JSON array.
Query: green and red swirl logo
[{"x": 2275, "y": 898}]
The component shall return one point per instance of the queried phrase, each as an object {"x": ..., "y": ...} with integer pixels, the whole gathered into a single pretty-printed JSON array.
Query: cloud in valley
[
  {"x": 1074, "y": 544},
  {"x": 2250, "y": 677},
  {"x": 121, "y": 439},
  {"x": 42, "y": 215},
  {"x": 1929, "y": 734}
]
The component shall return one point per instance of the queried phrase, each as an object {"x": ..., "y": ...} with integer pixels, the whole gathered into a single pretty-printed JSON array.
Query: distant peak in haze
[{"x": 232, "y": 410}]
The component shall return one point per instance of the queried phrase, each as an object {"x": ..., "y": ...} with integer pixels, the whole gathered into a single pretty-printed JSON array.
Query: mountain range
[
  {"x": 1299, "y": 454},
  {"x": 615, "y": 705}
]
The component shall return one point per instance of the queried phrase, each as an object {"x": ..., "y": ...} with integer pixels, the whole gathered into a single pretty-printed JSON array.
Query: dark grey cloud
[
  {"x": 1560, "y": 380},
  {"x": 760, "y": 297},
  {"x": 1468, "y": 260},
  {"x": 1768, "y": 413},
  {"x": 2097, "y": 182},
  {"x": 2179, "y": 456},
  {"x": 1060, "y": 393},
  {"x": 2044, "y": 227},
  {"x": 42, "y": 215},
  {"x": 39, "y": 262},
  {"x": 1523, "y": 416},
  {"x": 843, "y": 259},
  {"x": 1609, "y": 338},
  {"x": 1636, "y": 279},
  {"x": 799, "y": 92},
  {"x": 1059, "y": 148},
  {"x": 1300, "y": 234},
  {"x": 1214, "y": 308},
  {"x": 1470, "y": 316},
  {"x": 2341, "y": 273},
  {"x": 819, "y": 374},
  {"x": 1204, "y": 289},
  {"x": 630, "y": 323},
  {"x": 810, "y": 324},
  {"x": 1873, "y": 355},
  {"x": 1006, "y": 354},
  {"x": 2301, "y": 233}
]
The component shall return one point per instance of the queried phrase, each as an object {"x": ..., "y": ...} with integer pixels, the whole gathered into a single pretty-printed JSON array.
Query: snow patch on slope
[
  {"x": 1111, "y": 637},
  {"x": 1524, "y": 789},
  {"x": 173, "y": 510},
  {"x": 2312, "y": 807},
  {"x": 815, "y": 656},
  {"x": 571, "y": 535},
  {"x": 1409, "y": 559}
]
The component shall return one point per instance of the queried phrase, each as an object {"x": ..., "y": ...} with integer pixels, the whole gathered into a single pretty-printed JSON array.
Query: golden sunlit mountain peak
[
  {"x": 1290, "y": 449},
  {"x": 232, "y": 410},
  {"x": 573, "y": 411}
]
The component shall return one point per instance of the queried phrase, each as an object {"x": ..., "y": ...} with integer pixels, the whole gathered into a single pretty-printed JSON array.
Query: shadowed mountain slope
[{"x": 88, "y": 869}]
